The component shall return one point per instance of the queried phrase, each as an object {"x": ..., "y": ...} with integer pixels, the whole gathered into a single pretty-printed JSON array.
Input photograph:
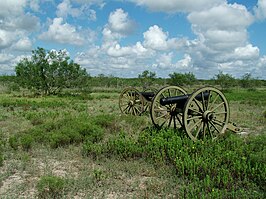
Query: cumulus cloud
[
  {"x": 23, "y": 44},
  {"x": 119, "y": 26},
  {"x": 222, "y": 37},
  {"x": 5, "y": 58},
  {"x": 12, "y": 8},
  {"x": 119, "y": 22},
  {"x": 6, "y": 38},
  {"x": 65, "y": 8},
  {"x": 260, "y": 9},
  {"x": 224, "y": 16},
  {"x": 128, "y": 51},
  {"x": 90, "y": 2},
  {"x": 63, "y": 33},
  {"x": 155, "y": 38},
  {"x": 247, "y": 52},
  {"x": 174, "y": 6},
  {"x": 34, "y": 5}
]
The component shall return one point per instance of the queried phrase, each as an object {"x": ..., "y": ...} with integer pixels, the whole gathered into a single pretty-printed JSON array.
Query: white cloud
[
  {"x": 155, "y": 38},
  {"x": 222, "y": 38},
  {"x": 12, "y": 8},
  {"x": 23, "y": 44},
  {"x": 119, "y": 26},
  {"x": 247, "y": 52},
  {"x": 177, "y": 5},
  {"x": 164, "y": 60},
  {"x": 25, "y": 22},
  {"x": 65, "y": 8},
  {"x": 5, "y": 58},
  {"x": 224, "y": 17},
  {"x": 6, "y": 38},
  {"x": 185, "y": 63},
  {"x": 119, "y": 22},
  {"x": 34, "y": 5},
  {"x": 260, "y": 9},
  {"x": 128, "y": 51},
  {"x": 90, "y": 2},
  {"x": 64, "y": 33}
]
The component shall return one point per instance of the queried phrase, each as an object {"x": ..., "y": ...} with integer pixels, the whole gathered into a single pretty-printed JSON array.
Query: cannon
[
  {"x": 201, "y": 114},
  {"x": 134, "y": 102}
]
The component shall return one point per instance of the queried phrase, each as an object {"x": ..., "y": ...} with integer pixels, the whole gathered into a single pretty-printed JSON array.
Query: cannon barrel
[
  {"x": 181, "y": 99},
  {"x": 148, "y": 95}
]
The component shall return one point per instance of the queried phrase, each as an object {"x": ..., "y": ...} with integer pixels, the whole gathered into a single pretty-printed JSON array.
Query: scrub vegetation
[{"x": 77, "y": 144}]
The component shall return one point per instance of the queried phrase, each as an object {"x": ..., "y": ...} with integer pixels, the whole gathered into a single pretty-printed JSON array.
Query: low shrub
[
  {"x": 50, "y": 187},
  {"x": 60, "y": 133},
  {"x": 230, "y": 166},
  {"x": 124, "y": 147},
  {"x": 26, "y": 142},
  {"x": 13, "y": 142}
]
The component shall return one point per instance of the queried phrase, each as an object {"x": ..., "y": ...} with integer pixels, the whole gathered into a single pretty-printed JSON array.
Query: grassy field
[{"x": 80, "y": 146}]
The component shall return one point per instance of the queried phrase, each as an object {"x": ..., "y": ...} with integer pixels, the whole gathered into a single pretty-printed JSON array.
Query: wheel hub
[
  {"x": 173, "y": 110},
  {"x": 208, "y": 116},
  {"x": 131, "y": 103}
]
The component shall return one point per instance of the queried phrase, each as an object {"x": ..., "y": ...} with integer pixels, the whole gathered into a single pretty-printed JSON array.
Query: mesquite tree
[{"x": 48, "y": 72}]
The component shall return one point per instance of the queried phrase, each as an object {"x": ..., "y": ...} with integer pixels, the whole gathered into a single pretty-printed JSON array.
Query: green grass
[
  {"x": 72, "y": 146},
  {"x": 254, "y": 97}
]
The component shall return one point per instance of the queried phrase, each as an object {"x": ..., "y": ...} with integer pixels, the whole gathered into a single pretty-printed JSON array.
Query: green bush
[
  {"x": 50, "y": 187},
  {"x": 61, "y": 133},
  {"x": 124, "y": 147},
  {"x": 228, "y": 167},
  {"x": 13, "y": 142},
  {"x": 94, "y": 150},
  {"x": 26, "y": 142}
]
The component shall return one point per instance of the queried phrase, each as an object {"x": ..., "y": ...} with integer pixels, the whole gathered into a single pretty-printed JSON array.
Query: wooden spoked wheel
[
  {"x": 206, "y": 114},
  {"x": 169, "y": 115},
  {"x": 131, "y": 102}
]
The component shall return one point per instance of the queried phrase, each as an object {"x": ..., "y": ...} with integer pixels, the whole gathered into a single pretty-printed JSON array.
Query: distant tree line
[{"x": 49, "y": 72}]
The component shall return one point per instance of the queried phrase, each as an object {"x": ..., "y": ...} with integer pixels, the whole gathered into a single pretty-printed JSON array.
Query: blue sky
[{"x": 125, "y": 37}]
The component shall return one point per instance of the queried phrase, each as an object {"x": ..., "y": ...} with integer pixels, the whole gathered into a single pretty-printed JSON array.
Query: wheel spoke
[
  {"x": 194, "y": 110},
  {"x": 198, "y": 130},
  {"x": 139, "y": 111},
  {"x": 203, "y": 101},
  {"x": 208, "y": 100},
  {"x": 209, "y": 129},
  {"x": 213, "y": 102},
  {"x": 169, "y": 124},
  {"x": 162, "y": 116},
  {"x": 204, "y": 129},
  {"x": 126, "y": 108},
  {"x": 217, "y": 106},
  {"x": 169, "y": 93},
  {"x": 179, "y": 120},
  {"x": 194, "y": 125},
  {"x": 175, "y": 121},
  {"x": 194, "y": 117},
  {"x": 214, "y": 127},
  {"x": 198, "y": 104},
  {"x": 218, "y": 122}
]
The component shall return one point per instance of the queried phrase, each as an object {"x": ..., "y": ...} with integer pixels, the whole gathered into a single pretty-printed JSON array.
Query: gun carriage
[{"x": 202, "y": 114}]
